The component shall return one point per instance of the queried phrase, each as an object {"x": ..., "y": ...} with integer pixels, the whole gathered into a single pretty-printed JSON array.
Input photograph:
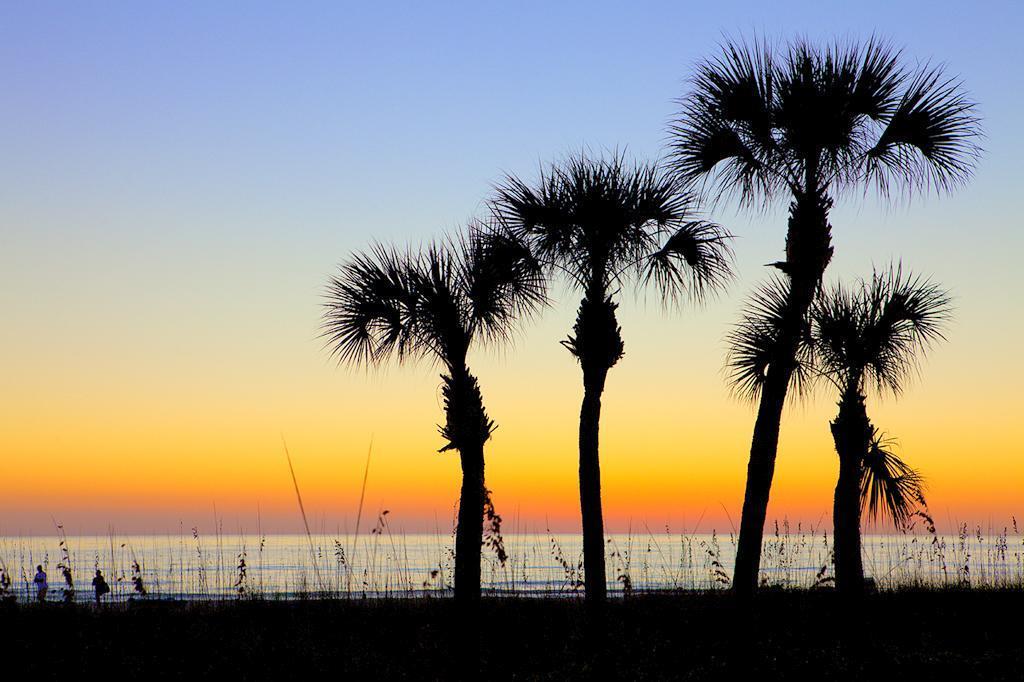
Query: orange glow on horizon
[{"x": 666, "y": 460}]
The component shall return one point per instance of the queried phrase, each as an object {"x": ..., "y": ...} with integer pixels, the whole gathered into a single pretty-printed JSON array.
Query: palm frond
[
  {"x": 904, "y": 316},
  {"x": 878, "y": 79},
  {"x": 755, "y": 342},
  {"x": 540, "y": 215},
  {"x": 370, "y": 308},
  {"x": 504, "y": 280},
  {"x": 930, "y": 139},
  {"x": 443, "y": 310},
  {"x": 725, "y": 132},
  {"x": 888, "y": 486},
  {"x": 694, "y": 261},
  {"x": 836, "y": 331}
]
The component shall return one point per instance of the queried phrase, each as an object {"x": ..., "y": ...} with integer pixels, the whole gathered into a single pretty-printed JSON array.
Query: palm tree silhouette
[
  {"x": 806, "y": 123},
  {"x": 433, "y": 305},
  {"x": 602, "y": 222},
  {"x": 870, "y": 337}
]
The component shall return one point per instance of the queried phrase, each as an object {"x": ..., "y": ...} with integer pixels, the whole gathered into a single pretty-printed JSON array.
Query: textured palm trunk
[
  {"x": 808, "y": 252},
  {"x": 595, "y": 579},
  {"x": 467, "y": 429},
  {"x": 597, "y": 344},
  {"x": 851, "y": 432}
]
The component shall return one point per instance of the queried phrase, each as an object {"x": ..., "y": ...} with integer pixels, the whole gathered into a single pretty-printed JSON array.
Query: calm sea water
[{"x": 296, "y": 566}]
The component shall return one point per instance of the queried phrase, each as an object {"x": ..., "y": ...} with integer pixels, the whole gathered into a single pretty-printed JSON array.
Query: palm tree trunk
[
  {"x": 595, "y": 581},
  {"x": 846, "y": 517},
  {"x": 808, "y": 252},
  {"x": 470, "y": 530},
  {"x": 597, "y": 345},
  {"x": 467, "y": 429},
  {"x": 760, "y": 472},
  {"x": 851, "y": 432}
]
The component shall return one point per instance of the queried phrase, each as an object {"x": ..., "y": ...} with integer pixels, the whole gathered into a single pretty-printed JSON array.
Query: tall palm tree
[
  {"x": 870, "y": 337},
  {"x": 805, "y": 123},
  {"x": 602, "y": 222},
  {"x": 433, "y": 305}
]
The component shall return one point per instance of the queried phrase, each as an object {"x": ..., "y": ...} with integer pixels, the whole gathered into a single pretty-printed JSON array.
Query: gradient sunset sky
[{"x": 178, "y": 183}]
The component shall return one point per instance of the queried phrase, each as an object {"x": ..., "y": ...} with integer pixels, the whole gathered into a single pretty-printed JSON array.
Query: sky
[{"x": 178, "y": 181}]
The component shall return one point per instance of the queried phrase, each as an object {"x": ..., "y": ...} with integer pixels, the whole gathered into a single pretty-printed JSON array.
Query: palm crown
[
  {"x": 874, "y": 334},
  {"x": 761, "y": 121},
  {"x": 601, "y": 221},
  {"x": 403, "y": 305}
]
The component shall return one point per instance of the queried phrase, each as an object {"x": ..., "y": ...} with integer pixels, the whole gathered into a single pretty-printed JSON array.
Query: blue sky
[{"x": 222, "y": 148}]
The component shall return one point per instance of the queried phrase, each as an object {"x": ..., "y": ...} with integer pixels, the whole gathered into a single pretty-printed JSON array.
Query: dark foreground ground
[{"x": 966, "y": 635}]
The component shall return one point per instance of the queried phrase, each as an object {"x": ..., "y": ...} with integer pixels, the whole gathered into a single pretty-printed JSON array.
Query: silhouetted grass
[{"x": 911, "y": 634}]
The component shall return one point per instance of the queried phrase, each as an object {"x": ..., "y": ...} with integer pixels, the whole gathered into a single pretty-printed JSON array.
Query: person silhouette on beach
[
  {"x": 100, "y": 586},
  {"x": 41, "y": 584}
]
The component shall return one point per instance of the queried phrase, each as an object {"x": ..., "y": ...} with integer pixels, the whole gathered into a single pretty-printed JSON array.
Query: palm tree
[
  {"x": 433, "y": 305},
  {"x": 602, "y": 222},
  {"x": 870, "y": 338},
  {"x": 805, "y": 123}
]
